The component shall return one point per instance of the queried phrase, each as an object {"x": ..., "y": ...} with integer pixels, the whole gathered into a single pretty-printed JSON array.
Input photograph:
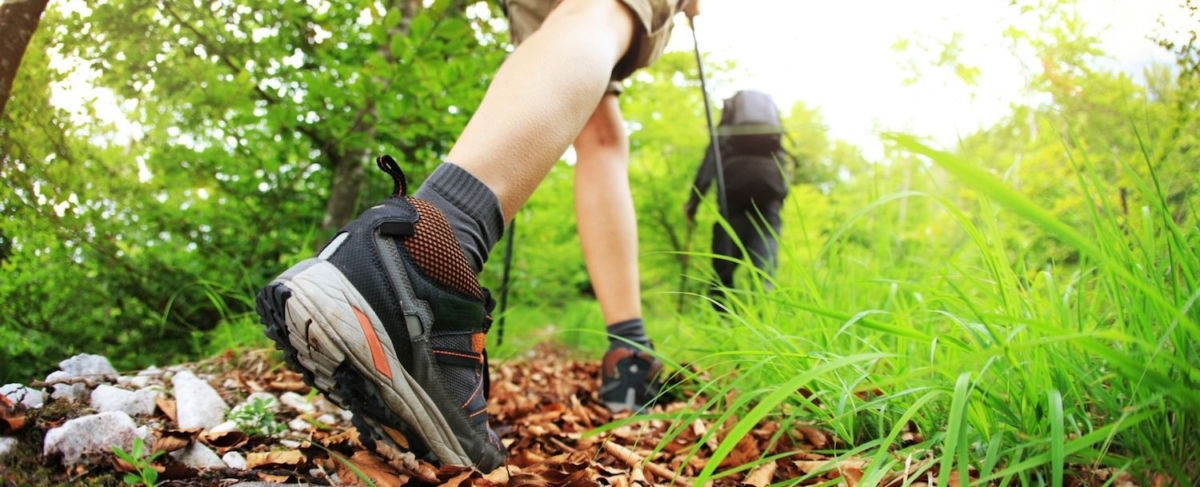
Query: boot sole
[{"x": 323, "y": 325}]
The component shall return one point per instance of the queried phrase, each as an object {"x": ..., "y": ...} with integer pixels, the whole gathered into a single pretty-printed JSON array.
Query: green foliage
[
  {"x": 147, "y": 227},
  {"x": 256, "y": 418},
  {"x": 143, "y": 465},
  {"x": 1017, "y": 303}
]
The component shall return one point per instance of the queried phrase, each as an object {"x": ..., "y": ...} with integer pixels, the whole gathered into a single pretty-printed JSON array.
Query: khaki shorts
[{"x": 652, "y": 31}]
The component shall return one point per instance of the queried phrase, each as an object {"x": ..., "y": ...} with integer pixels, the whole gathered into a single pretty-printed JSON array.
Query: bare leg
[
  {"x": 604, "y": 212},
  {"x": 541, "y": 97}
]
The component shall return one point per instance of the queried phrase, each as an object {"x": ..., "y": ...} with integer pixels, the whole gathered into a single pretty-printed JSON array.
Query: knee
[{"x": 604, "y": 133}]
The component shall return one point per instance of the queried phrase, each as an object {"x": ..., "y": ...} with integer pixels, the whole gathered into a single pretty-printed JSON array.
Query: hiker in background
[
  {"x": 751, "y": 149},
  {"x": 389, "y": 320}
]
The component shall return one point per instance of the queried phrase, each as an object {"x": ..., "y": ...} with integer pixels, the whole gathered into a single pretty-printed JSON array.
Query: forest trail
[{"x": 543, "y": 406}]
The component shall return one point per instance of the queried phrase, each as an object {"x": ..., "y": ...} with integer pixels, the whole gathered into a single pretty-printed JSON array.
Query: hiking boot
[
  {"x": 629, "y": 379},
  {"x": 389, "y": 322}
]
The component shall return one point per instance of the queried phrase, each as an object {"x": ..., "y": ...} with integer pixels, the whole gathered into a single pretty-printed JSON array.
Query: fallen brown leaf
[
  {"x": 810, "y": 466},
  {"x": 852, "y": 476},
  {"x": 10, "y": 420},
  {"x": 372, "y": 467},
  {"x": 502, "y": 474},
  {"x": 176, "y": 471},
  {"x": 290, "y": 386},
  {"x": 815, "y": 437},
  {"x": 746, "y": 451},
  {"x": 347, "y": 438},
  {"x": 175, "y": 439},
  {"x": 167, "y": 406},
  {"x": 122, "y": 466},
  {"x": 633, "y": 460},
  {"x": 460, "y": 479},
  {"x": 225, "y": 440},
  {"x": 288, "y": 458},
  {"x": 761, "y": 475},
  {"x": 274, "y": 479}
]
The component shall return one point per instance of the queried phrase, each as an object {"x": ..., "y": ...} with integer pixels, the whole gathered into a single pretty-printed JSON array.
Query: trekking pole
[
  {"x": 508, "y": 246},
  {"x": 722, "y": 206}
]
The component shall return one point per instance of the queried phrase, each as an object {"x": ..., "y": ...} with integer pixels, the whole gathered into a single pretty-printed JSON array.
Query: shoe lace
[{"x": 399, "y": 182}]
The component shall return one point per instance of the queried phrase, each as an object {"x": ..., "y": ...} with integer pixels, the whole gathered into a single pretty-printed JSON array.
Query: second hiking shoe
[
  {"x": 389, "y": 321},
  {"x": 629, "y": 379}
]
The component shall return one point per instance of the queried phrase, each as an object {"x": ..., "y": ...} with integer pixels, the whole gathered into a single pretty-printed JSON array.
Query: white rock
[
  {"x": 197, "y": 404},
  {"x": 84, "y": 365},
  {"x": 224, "y": 427},
  {"x": 69, "y": 392},
  {"x": 94, "y": 433},
  {"x": 299, "y": 425},
  {"x": 145, "y": 434},
  {"x": 134, "y": 382},
  {"x": 108, "y": 398},
  {"x": 297, "y": 402},
  {"x": 199, "y": 456},
  {"x": 234, "y": 460},
  {"x": 327, "y": 419},
  {"x": 17, "y": 393},
  {"x": 7, "y": 445},
  {"x": 293, "y": 444}
]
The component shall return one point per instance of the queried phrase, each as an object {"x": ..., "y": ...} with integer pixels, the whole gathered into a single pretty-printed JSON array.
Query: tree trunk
[
  {"x": 18, "y": 21},
  {"x": 348, "y": 178},
  {"x": 348, "y": 171}
]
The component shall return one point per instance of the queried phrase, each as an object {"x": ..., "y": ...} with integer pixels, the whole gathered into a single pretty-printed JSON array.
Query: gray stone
[
  {"x": 7, "y": 445},
  {"x": 68, "y": 392},
  {"x": 108, "y": 398},
  {"x": 197, "y": 404},
  {"x": 94, "y": 433},
  {"x": 234, "y": 460},
  {"x": 198, "y": 456},
  {"x": 84, "y": 365},
  {"x": 19, "y": 394},
  {"x": 297, "y": 402}
]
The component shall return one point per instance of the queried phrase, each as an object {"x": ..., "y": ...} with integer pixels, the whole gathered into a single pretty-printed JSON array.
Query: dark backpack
[{"x": 752, "y": 155}]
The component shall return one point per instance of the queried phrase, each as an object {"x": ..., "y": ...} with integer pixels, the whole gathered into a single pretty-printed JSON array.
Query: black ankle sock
[
  {"x": 632, "y": 330},
  {"x": 471, "y": 208}
]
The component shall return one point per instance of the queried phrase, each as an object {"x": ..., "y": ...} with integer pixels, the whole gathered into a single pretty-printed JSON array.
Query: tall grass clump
[{"x": 959, "y": 353}]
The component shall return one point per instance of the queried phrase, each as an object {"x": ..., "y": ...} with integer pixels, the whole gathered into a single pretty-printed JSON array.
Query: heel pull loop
[{"x": 389, "y": 165}]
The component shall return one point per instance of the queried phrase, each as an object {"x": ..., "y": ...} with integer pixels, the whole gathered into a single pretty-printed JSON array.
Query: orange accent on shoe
[
  {"x": 476, "y": 358},
  {"x": 478, "y": 342},
  {"x": 478, "y": 387},
  {"x": 377, "y": 354}
]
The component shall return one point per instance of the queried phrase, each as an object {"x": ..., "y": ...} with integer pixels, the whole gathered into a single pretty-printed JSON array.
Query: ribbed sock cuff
[
  {"x": 633, "y": 330},
  {"x": 471, "y": 208}
]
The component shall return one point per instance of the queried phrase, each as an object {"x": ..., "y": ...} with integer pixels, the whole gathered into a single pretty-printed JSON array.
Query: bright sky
[{"x": 838, "y": 56}]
